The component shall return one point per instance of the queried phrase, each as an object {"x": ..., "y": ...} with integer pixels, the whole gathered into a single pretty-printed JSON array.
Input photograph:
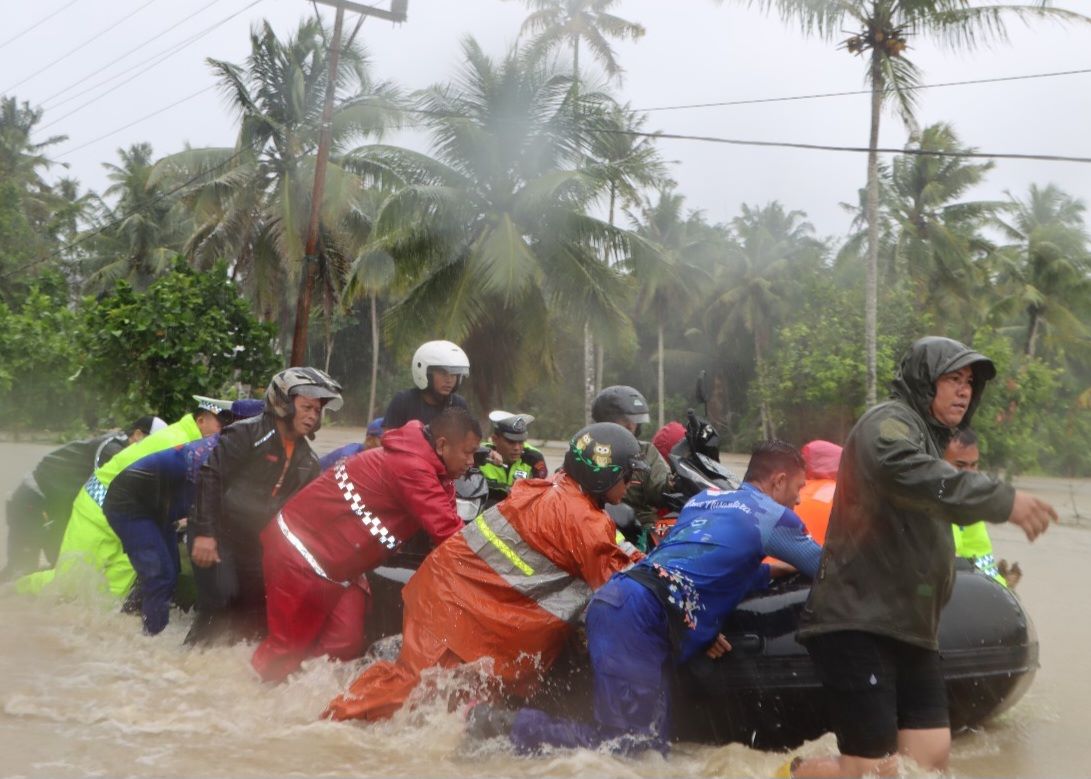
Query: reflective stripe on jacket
[{"x": 492, "y": 538}]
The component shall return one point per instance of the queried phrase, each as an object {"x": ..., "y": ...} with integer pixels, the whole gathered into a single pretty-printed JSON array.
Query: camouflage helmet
[{"x": 308, "y": 382}]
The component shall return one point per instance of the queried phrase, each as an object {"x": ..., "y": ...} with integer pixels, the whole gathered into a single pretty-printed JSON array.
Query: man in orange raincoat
[{"x": 512, "y": 583}]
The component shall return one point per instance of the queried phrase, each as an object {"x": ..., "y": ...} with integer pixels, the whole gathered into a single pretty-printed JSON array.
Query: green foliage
[
  {"x": 38, "y": 357},
  {"x": 188, "y": 333},
  {"x": 1017, "y": 420}
]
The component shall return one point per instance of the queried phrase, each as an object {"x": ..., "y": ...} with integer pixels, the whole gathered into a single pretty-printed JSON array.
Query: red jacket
[
  {"x": 355, "y": 514},
  {"x": 458, "y": 596}
]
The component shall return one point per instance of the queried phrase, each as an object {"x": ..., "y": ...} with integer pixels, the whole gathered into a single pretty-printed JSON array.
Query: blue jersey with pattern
[{"x": 712, "y": 557}]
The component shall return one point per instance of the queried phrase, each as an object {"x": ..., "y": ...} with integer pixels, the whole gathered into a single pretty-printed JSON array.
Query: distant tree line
[{"x": 542, "y": 232}]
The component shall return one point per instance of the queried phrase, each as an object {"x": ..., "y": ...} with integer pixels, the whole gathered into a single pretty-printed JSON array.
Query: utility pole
[{"x": 397, "y": 13}]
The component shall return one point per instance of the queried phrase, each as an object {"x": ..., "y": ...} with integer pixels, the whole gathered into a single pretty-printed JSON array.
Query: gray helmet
[
  {"x": 308, "y": 382},
  {"x": 602, "y": 454},
  {"x": 620, "y": 402}
]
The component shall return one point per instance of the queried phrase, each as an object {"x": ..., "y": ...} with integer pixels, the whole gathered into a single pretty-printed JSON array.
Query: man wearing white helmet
[{"x": 438, "y": 369}]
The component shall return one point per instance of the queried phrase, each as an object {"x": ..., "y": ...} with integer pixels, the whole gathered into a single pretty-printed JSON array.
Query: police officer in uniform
[{"x": 510, "y": 456}]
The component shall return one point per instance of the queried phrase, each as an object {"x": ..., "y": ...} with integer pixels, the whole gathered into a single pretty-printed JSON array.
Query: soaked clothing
[
  {"x": 38, "y": 509},
  {"x": 972, "y": 543},
  {"x": 645, "y": 495},
  {"x": 143, "y": 506},
  {"x": 509, "y": 587},
  {"x": 410, "y": 404},
  {"x": 89, "y": 542},
  {"x": 675, "y": 601},
  {"x": 888, "y": 562},
  {"x": 344, "y": 523},
  {"x": 242, "y": 485},
  {"x": 337, "y": 455}
]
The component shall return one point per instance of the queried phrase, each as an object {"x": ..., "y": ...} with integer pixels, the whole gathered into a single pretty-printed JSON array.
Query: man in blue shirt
[{"x": 670, "y": 606}]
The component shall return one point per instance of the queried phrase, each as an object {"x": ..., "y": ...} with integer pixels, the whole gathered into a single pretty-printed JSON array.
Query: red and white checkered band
[{"x": 356, "y": 504}]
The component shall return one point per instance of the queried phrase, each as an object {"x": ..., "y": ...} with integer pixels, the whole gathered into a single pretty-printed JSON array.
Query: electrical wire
[
  {"x": 45, "y": 102},
  {"x": 141, "y": 70},
  {"x": 846, "y": 93},
  {"x": 38, "y": 23},
  {"x": 135, "y": 122},
  {"x": 86, "y": 43}
]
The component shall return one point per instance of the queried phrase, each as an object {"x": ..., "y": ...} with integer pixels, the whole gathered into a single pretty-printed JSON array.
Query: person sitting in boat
[
  {"x": 972, "y": 542},
  {"x": 89, "y": 542},
  {"x": 372, "y": 439},
  {"x": 38, "y": 509},
  {"x": 512, "y": 584},
  {"x": 257, "y": 465},
  {"x": 625, "y": 406},
  {"x": 510, "y": 456},
  {"x": 438, "y": 369},
  {"x": 347, "y": 522},
  {"x": 669, "y": 607},
  {"x": 872, "y": 635},
  {"x": 143, "y": 505}
]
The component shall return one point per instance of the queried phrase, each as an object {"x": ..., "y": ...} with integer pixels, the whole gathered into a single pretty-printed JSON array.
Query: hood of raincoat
[
  {"x": 411, "y": 439},
  {"x": 822, "y": 459},
  {"x": 928, "y": 359}
]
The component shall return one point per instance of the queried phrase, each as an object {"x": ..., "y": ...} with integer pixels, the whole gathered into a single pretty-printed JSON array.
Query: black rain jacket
[{"x": 888, "y": 561}]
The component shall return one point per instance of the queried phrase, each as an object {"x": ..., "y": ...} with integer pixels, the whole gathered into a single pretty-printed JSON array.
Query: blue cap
[
  {"x": 247, "y": 407},
  {"x": 375, "y": 427}
]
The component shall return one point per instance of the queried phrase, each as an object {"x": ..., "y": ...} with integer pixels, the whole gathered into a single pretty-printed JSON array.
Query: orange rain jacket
[
  {"x": 822, "y": 459},
  {"x": 509, "y": 586}
]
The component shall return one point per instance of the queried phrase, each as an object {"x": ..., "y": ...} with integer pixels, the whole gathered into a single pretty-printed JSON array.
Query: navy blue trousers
[
  {"x": 153, "y": 552},
  {"x": 629, "y": 642}
]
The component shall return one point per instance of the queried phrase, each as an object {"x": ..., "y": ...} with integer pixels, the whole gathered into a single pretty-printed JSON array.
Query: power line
[
  {"x": 141, "y": 70},
  {"x": 86, "y": 43},
  {"x": 856, "y": 149},
  {"x": 38, "y": 23},
  {"x": 846, "y": 93},
  {"x": 155, "y": 37},
  {"x": 135, "y": 121}
]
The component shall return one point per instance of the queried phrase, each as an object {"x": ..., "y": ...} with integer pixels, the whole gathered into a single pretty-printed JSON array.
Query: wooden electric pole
[{"x": 397, "y": 13}]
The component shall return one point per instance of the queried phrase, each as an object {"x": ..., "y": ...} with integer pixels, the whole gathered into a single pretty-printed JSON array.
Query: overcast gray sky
[{"x": 695, "y": 51}]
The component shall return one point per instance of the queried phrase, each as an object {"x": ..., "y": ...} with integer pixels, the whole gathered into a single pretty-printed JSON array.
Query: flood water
[{"x": 83, "y": 693}]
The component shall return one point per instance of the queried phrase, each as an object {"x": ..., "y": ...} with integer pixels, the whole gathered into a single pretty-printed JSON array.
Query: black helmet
[
  {"x": 602, "y": 454},
  {"x": 620, "y": 402}
]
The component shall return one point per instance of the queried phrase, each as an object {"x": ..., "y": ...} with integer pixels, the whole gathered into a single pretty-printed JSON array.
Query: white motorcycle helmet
[{"x": 439, "y": 354}]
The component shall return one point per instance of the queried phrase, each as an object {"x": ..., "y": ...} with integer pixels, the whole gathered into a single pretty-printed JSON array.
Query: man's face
[
  {"x": 457, "y": 456},
  {"x": 511, "y": 451},
  {"x": 965, "y": 458},
  {"x": 443, "y": 382},
  {"x": 137, "y": 436},
  {"x": 308, "y": 415},
  {"x": 785, "y": 488},
  {"x": 614, "y": 495},
  {"x": 953, "y": 393},
  {"x": 208, "y": 424}
]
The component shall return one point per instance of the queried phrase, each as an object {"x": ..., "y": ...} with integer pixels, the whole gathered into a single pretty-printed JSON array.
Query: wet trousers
[
  {"x": 153, "y": 551},
  {"x": 230, "y": 594},
  {"x": 383, "y": 686},
  {"x": 629, "y": 642},
  {"x": 307, "y": 616},
  {"x": 26, "y": 521}
]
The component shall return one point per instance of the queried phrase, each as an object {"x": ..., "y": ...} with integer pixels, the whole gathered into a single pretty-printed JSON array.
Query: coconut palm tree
[
  {"x": 556, "y": 23},
  {"x": 490, "y": 234},
  {"x": 252, "y": 202},
  {"x": 624, "y": 164},
  {"x": 755, "y": 292},
  {"x": 663, "y": 270},
  {"x": 142, "y": 230},
  {"x": 1046, "y": 270},
  {"x": 881, "y": 31}
]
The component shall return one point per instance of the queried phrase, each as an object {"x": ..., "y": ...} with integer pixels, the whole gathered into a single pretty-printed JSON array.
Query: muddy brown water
[{"x": 83, "y": 693}]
